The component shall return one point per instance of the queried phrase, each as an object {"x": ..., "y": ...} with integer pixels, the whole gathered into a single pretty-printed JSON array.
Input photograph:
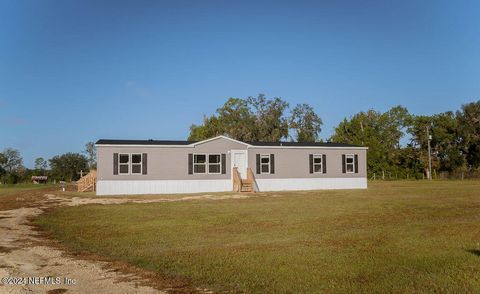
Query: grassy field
[
  {"x": 394, "y": 237},
  {"x": 16, "y": 196}
]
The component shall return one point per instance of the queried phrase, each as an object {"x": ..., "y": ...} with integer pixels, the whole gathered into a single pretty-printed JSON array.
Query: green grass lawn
[
  {"x": 412, "y": 236},
  {"x": 20, "y": 195}
]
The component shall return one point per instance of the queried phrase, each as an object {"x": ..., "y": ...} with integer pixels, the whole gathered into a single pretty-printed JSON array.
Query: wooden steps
[
  {"x": 88, "y": 182},
  {"x": 243, "y": 185}
]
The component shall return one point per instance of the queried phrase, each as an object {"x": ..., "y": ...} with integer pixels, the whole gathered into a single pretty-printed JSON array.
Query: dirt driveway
[{"x": 24, "y": 253}]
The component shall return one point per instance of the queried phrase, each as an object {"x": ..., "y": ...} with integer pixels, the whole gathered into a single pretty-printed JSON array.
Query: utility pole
[{"x": 429, "y": 137}]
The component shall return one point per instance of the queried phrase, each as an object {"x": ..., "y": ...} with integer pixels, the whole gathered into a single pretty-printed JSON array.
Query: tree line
[
  {"x": 64, "y": 167},
  {"x": 397, "y": 140},
  {"x": 260, "y": 119}
]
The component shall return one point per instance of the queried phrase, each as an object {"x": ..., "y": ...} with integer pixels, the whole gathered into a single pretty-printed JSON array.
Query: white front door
[{"x": 239, "y": 160}]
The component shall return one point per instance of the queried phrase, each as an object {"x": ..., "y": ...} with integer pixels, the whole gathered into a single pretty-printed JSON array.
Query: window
[
  {"x": 265, "y": 164},
  {"x": 136, "y": 163},
  {"x": 317, "y": 163},
  {"x": 199, "y": 163},
  {"x": 123, "y": 164},
  {"x": 131, "y": 164},
  {"x": 202, "y": 161},
  {"x": 349, "y": 163},
  {"x": 214, "y": 163}
]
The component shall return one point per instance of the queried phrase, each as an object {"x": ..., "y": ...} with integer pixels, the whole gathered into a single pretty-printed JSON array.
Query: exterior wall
[
  {"x": 164, "y": 163},
  {"x": 137, "y": 187},
  {"x": 133, "y": 187},
  {"x": 168, "y": 169},
  {"x": 298, "y": 184},
  {"x": 294, "y": 162}
]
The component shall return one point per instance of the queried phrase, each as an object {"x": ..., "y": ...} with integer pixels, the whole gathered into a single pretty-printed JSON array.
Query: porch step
[
  {"x": 246, "y": 186},
  {"x": 90, "y": 187},
  {"x": 243, "y": 185}
]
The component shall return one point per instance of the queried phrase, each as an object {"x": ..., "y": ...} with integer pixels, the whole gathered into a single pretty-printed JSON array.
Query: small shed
[{"x": 39, "y": 179}]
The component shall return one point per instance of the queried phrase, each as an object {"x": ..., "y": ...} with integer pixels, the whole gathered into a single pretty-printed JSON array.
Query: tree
[
  {"x": 91, "y": 153},
  {"x": 270, "y": 123},
  {"x": 237, "y": 120},
  {"x": 250, "y": 119},
  {"x": 469, "y": 131},
  {"x": 12, "y": 159},
  {"x": 11, "y": 166},
  {"x": 381, "y": 132},
  {"x": 41, "y": 165},
  {"x": 3, "y": 160},
  {"x": 305, "y": 123},
  {"x": 446, "y": 149},
  {"x": 210, "y": 128},
  {"x": 68, "y": 166},
  {"x": 446, "y": 141}
]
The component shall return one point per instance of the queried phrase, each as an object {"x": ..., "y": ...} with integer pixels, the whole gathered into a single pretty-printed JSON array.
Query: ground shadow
[{"x": 474, "y": 251}]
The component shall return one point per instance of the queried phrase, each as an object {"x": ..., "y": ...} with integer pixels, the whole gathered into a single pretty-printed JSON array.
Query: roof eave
[
  {"x": 220, "y": 137},
  {"x": 307, "y": 147}
]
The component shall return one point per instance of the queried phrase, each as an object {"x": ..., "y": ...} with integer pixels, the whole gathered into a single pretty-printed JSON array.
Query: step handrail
[
  {"x": 87, "y": 181},
  {"x": 251, "y": 177},
  {"x": 237, "y": 180}
]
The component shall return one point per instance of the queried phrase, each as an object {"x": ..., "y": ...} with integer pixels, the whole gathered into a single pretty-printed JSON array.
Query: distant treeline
[
  {"x": 455, "y": 135},
  {"x": 455, "y": 139},
  {"x": 65, "y": 167}
]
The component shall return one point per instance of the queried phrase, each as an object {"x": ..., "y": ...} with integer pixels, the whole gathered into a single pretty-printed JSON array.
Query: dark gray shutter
[
  {"x": 144, "y": 163},
  {"x": 190, "y": 163},
  {"x": 115, "y": 163},
  {"x": 224, "y": 163},
  {"x": 272, "y": 163},
  {"x": 324, "y": 163},
  {"x": 344, "y": 170},
  {"x": 310, "y": 159},
  {"x": 258, "y": 163},
  {"x": 356, "y": 163}
]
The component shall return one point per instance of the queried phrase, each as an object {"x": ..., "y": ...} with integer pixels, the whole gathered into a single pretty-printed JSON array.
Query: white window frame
[
  {"x": 219, "y": 164},
  {"x": 321, "y": 163},
  {"x": 206, "y": 163},
  {"x": 128, "y": 163},
  {"x": 352, "y": 156},
  {"x": 131, "y": 163},
  {"x": 268, "y": 164}
]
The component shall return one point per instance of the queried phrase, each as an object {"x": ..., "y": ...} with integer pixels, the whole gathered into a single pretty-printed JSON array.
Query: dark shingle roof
[
  {"x": 302, "y": 144},
  {"x": 180, "y": 142},
  {"x": 143, "y": 142}
]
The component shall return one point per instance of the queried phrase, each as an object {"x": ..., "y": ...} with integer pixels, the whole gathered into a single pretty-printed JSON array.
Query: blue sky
[{"x": 76, "y": 71}]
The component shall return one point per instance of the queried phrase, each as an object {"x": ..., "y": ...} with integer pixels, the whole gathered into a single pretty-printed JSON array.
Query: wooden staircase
[
  {"x": 243, "y": 185},
  {"x": 88, "y": 182}
]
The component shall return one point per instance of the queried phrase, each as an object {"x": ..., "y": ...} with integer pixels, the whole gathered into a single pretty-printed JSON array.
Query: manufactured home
[{"x": 223, "y": 164}]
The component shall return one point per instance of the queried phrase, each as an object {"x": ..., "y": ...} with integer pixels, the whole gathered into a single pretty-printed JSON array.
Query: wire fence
[{"x": 442, "y": 175}]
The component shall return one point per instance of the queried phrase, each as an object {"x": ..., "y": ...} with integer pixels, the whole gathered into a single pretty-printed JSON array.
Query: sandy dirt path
[{"x": 23, "y": 254}]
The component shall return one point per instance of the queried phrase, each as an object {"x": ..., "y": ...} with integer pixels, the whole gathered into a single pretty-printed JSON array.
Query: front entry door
[{"x": 239, "y": 160}]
